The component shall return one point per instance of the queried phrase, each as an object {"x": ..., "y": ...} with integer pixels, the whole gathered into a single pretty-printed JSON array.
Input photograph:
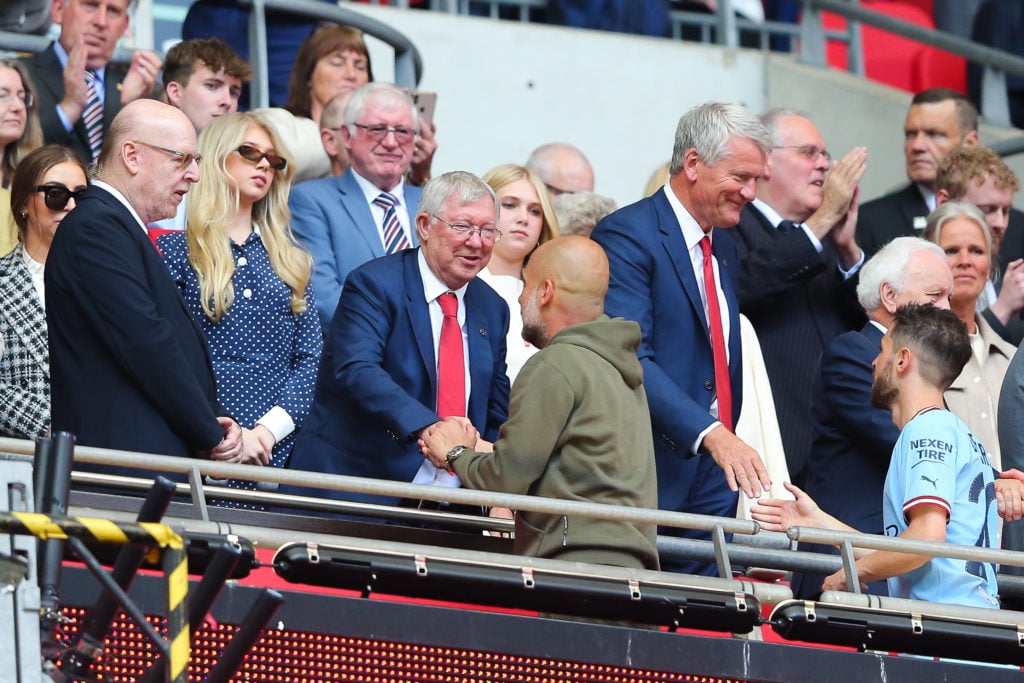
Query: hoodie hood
[{"x": 614, "y": 339}]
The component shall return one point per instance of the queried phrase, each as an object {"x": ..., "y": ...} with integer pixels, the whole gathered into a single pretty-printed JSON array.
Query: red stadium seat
[{"x": 897, "y": 61}]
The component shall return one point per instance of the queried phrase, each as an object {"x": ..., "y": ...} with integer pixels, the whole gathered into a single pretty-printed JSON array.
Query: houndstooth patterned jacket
[{"x": 24, "y": 356}]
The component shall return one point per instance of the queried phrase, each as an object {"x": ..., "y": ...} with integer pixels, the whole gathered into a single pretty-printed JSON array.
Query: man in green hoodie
[{"x": 578, "y": 427}]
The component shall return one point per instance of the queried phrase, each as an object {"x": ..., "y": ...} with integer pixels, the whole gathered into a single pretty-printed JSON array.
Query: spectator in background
[
  {"x": 657, "y": 180},
  {"x": 673, "y": 273},
  {"x": 798, "y": 264},
  {"x": 49, "y": 181},
  {"x": 417, "y": 337},
  {"x": 203, "y": 78},
  {"x": 579, "y": 212},
  {"x": 332, "y": 61},
  {"x": 939, "y": 121},
  {"x": 526, "y": 221},
  {"x": 367, "y": 211},
  {"x": 331, "y": 122},
  {"x": 578, "y": 427},
  {"x": 19, "y": 135},
  {"x": 851, "y": 441},
  {"x": 229, "y": 21},
  {"x": 960, "y": 229},
  {"x": 978, "y": 175},
  {"x": 79, "y": 91},
  {"x": 129, "y": 367},
  {"x": 246, "y": 280},
  {"x": 562, "y": 168}
]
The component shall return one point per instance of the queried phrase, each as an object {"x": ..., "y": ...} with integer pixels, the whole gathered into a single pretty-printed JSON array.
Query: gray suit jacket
[
  {"x": 331, "y": 218},
  {"x": 24, "y": 359}
]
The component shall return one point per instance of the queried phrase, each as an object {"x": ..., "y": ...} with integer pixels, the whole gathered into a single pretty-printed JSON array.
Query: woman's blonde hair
[
  {"x": 212, "y": 203},
  {"x": 500, "y": 176}
]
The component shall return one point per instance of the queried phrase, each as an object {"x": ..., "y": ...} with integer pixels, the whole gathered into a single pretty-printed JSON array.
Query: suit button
[
  {"x": 242, "y": 261},
  {"x": 247, "y": 293},
  {"x": 709, "y": 385}
]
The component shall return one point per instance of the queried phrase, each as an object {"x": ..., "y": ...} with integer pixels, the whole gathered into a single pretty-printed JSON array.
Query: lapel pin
[{"x": 483, "y": 332}]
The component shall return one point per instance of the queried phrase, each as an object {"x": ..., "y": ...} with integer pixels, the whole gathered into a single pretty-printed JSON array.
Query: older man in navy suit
[
  {"x": 367, "y": 211},
  {"x": 386, "y": 372},
  {"x": 852, "y": 441},
  {"x": 671, "y": 275}
]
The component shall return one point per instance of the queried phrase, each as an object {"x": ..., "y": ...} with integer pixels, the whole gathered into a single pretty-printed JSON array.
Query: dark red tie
[
  {"x": 451, "y": 364},
  {"x": 722, "y": 386}
]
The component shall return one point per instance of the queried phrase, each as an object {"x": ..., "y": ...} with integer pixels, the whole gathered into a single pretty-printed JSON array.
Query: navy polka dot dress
[{"x": 263, "y": 355}]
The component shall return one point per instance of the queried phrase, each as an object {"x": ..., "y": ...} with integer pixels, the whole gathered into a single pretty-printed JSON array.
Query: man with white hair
[
  {"x": 367, "y": 211},
  {"x": 850, "y": 440}
]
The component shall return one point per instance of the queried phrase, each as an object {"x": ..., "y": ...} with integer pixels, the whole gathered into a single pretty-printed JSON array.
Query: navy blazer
[
  {"x": 377, "y": 382},
  {"x": 48, "y": 76},
  {"x": 653, "y": 283},
  {"x": 886, "y": 218},
  {"x": 331, "y": 217},
  {"x": 851, "y": 443},
  {"x": 129, "y": 366},
  {"x": 797, "y": 301}
]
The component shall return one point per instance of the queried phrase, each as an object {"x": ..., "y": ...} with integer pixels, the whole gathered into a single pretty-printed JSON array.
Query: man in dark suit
[
  {"x": 379, "y": 380},
  {"x": 77, "y": 65},
  {"x": 129, "y": 366},
  {"x": 852, "y": 441},
  {"x": 671, "y": 274},
  {"x": 799, "y": 261},
  {"x": 342, "y": 220},
  {"x": 939, "y": 120}
]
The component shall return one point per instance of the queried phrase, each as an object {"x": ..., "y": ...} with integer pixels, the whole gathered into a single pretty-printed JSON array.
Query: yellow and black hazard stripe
[{"x": 175, "y": 562}]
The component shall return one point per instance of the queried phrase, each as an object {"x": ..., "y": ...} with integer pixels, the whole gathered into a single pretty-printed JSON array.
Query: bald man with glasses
[
  {"x": 129, "y": 366},
  {"x": 367, "y": 211}
]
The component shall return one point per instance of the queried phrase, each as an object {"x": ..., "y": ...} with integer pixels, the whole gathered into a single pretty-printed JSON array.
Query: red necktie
[
  {"x": 722, "y": 386},
  {"x": 451, "y": 364}
]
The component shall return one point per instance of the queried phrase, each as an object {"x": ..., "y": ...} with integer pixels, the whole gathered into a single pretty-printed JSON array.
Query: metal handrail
[
  {"x": 718, "y": 525},
  {"x": 995, "y": 63}
]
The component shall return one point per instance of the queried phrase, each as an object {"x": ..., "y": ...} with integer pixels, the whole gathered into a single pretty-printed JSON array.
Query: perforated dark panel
[{"x": 289, "y": 656}]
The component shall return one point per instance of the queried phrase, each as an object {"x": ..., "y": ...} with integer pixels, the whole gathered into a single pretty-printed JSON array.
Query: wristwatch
[{"x": 453, "y": 455}]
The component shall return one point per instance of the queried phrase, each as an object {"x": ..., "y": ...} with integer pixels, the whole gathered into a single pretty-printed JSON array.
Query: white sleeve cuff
[
  {"x": 279, "y": 422},
  {"x": 700, "y": 437}
]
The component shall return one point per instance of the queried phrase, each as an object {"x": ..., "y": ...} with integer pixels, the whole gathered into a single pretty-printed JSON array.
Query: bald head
[
  {"x": 564, "y": 284},
  {"x": 562, "y": 167},
  {"x": 149, "y": 155}
]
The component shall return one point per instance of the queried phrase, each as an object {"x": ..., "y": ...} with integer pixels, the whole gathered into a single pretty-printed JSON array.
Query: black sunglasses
[
  {"x": 56, "y": 196},
  {"x": 250, "y": 153}
]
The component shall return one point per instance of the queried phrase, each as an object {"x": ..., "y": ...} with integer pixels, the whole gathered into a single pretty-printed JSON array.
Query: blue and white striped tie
[{"x": 92, "y": 117}]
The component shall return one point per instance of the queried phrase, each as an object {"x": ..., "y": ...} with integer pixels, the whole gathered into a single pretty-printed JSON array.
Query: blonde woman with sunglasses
[{"x": 246, "y": 281}]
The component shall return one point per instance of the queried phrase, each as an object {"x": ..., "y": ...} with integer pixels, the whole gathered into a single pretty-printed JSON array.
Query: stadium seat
[{"x": 896, "y": 61}]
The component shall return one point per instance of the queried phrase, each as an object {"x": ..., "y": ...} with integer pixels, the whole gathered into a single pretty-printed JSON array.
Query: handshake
[{"x": 438, "y": 439}]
